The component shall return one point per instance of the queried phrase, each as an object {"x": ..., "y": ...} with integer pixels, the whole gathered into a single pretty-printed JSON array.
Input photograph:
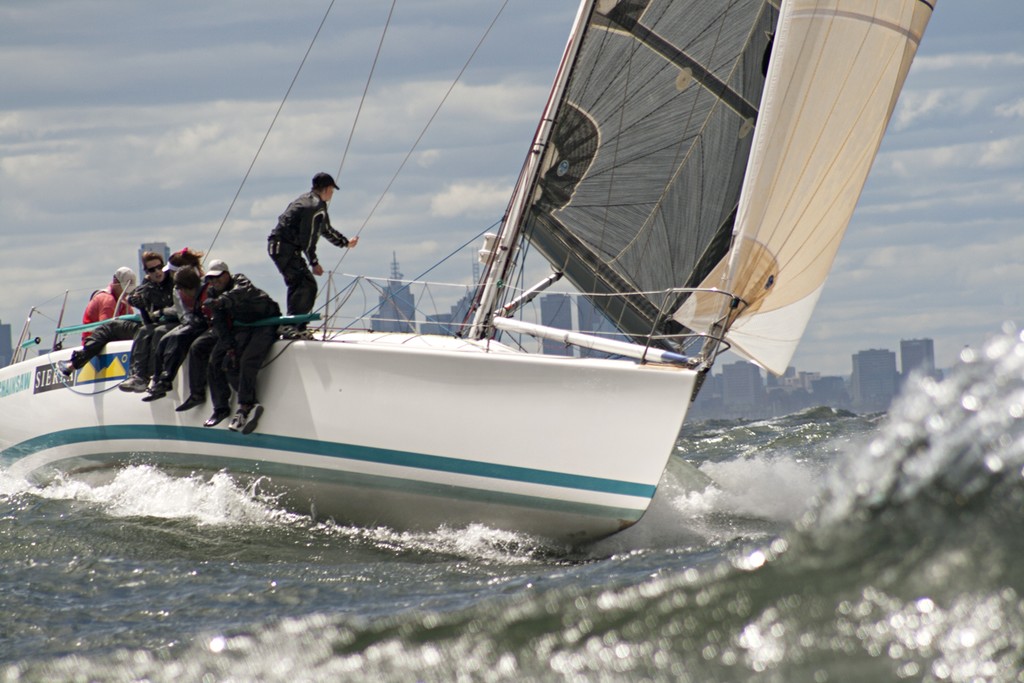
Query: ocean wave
[{"x": 817, "y": 547}]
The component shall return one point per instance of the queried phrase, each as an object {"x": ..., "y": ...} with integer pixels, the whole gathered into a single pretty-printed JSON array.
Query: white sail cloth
[{"x": 836, "y": 70}]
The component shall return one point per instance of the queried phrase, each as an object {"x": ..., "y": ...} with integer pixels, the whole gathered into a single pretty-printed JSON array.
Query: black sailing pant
[
  {"x": 297, "y": 276},
  {"x": 115, "y": 330},
  {"x": 144, "y": 348},
  {"x": 251, "y": 346},
  {"x": 199, "y": 362},
  {"x": 172, "y": 349}
]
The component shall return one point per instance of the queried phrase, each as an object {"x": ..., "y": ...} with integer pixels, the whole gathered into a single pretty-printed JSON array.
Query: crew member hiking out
[
  {"x": 240, "y": 350},
  {"x": 295, "y": 236},
  {"x": 104, "y": 304}
]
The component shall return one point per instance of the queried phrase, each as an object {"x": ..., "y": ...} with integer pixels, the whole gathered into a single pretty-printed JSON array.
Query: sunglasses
[{"x": 154, "y": 269}]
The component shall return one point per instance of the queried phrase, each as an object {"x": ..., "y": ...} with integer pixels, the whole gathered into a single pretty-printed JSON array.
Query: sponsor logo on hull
[{"x": 107, "y": 367}]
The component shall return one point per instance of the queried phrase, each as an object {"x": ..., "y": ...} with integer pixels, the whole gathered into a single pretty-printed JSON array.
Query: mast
[{"x": 499, "y": 264}]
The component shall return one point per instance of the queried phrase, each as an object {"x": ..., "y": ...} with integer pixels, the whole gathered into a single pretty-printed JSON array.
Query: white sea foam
[
  {"x": 144, "y": 491},
  {"x": 11, "y": 486},
  {"x": 475, "y": 541},
  {"x": 773, "y": 487}
]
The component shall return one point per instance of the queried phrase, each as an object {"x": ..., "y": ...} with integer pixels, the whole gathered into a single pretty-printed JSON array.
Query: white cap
[
  {"x": 217, "y": 268},
  {"x": 126, "y": 277}
]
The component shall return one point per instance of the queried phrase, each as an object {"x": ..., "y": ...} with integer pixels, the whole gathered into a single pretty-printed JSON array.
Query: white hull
[{"x": 405, "y": 431}]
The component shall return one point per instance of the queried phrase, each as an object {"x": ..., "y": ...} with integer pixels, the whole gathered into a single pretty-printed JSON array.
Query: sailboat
[{"x": 693, "y": 173}]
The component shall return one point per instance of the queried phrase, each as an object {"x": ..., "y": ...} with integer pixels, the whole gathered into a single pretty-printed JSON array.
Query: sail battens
[
  {"x": 860, "y": 16},
  {"x": 836, "y": 70},
  {"x": 651, "y": 181},
  {"x": 639, "y": 178},
  {"x": 697, "y": 71}
]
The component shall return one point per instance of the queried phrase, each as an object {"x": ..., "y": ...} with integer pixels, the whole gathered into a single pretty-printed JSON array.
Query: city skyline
[
  {"x": 396, "y": 311},
  {"x": 733, "y": 388}
]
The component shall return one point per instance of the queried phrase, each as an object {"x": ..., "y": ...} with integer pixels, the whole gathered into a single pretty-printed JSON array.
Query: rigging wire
[
  {"x": 366, "y": 88},
  {"x": 426, "y": 127},
  {"x": 273, "y": 121},
  {"x": 355, "y": 121},
  {"x": 415, "y": 279}
]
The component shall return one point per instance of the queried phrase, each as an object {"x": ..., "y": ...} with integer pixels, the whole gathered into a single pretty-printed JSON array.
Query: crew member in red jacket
[{"x": 109, "y": 303}]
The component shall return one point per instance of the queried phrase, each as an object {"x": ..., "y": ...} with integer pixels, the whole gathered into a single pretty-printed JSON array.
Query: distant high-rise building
[
  {"x": 742, "y": 385},
  {"x": 593, "y": 321},
  {"x": 6, "y": 349},
  {"x": 829, "y": 391},
  {"x": 556, "y": 311},
  {"x": 917, "y": 354},
  {"x": 158, "y": 247},
  {"x": 450, "y": 323},
  {"x": 396, "y": 311},
  {"x": 874, "y": 380}
]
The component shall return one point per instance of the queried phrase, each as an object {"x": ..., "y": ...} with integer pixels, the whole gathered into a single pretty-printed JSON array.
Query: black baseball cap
[{"x": 321, "y": 180}]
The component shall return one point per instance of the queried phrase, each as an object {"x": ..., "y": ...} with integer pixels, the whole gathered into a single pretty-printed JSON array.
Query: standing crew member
[{"x": 296, "y": 234}]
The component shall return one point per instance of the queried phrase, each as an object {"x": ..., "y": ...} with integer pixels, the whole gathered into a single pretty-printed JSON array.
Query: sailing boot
[
  {"x": 134, "y": 384},
  {"x": 68, "y": 367},
  {"x": 219, "y": 415},
  {"x": 191, "y": 402},
  {"x": 246, "y": 418},
  {"x": 158, "y": 389}
]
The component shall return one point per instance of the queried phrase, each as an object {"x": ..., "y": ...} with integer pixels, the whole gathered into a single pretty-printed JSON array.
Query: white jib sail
[{"x": 835, "y": 73}]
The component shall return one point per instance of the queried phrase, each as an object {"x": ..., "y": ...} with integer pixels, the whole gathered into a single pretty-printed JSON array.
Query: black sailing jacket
[{"x": 303, "y": 222}]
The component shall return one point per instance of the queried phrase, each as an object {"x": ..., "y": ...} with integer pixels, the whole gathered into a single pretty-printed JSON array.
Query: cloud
[
  {"x": 971, "y": 61},
  {"x": 1002, "y": 154},
  {"x": 480, "y": 198},
  {"x": 1011, "y": 110}
]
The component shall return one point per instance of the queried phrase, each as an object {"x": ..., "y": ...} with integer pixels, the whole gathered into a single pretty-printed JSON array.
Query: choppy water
[{"x": 832, "y": 547}]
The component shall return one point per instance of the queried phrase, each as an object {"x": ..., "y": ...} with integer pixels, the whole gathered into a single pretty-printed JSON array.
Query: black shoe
[
  {"x": 254, "y": 418},
  {"x": 134, "y": 384},
  {"x": 68, "y": 367},
  {"x": 191, "y": 402},
  {"x": 219, "y": 415},
  {"x": 246, "y": 418},
  {"x": 157, "y": 391}
]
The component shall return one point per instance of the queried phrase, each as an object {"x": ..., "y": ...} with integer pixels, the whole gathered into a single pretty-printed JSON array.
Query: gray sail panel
[{"x": 639, "y": 182}]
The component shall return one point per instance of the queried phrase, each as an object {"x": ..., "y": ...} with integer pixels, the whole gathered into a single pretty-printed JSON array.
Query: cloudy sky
[{"x": 125, "y": 122}]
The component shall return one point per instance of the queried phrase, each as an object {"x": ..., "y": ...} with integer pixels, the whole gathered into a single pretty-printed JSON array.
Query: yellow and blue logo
[{"x": 105, "y": 368}]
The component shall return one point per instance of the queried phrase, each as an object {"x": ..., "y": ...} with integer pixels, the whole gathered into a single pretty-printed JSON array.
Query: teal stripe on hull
[
  {"x": 280, "y": 473},
  {"x": 329, "y": 449}
]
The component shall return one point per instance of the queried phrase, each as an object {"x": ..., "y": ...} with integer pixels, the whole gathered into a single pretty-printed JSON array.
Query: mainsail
[
  {"x": 638, "y": 182},
  {"x": 836, "y": 70}
]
